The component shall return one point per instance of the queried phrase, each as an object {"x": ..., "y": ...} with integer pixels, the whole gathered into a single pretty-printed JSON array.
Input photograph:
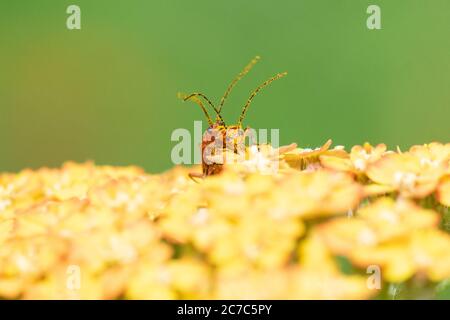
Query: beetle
[{"x": 220, "y": 137}]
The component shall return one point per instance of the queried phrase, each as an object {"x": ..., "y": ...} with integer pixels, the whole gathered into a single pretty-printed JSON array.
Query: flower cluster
[{"x": 309, "y": 230}]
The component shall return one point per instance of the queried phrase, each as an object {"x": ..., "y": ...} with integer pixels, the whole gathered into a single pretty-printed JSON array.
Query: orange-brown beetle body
[{"x": 220, "y": 137}]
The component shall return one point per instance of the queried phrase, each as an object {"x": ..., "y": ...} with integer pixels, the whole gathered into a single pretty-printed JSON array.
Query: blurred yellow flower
[
  {"x": 316, "y": 277},
  {"x": 384, "y": 220},
  {"x": 399, "y": 236},
  {"x": 433, "y": 154},
  {"x": 424, "y": 253},
  {"x": 228, "y": 219},
  {"x": 177, "y": 279},
  {"x": 251, "y": 232},
  {"x": 318, "y": 193},
  {"x": 411, "y": 174},
  {"x": 443, "y": 192}
]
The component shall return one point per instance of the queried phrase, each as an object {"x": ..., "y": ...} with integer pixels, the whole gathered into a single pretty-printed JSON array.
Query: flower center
[{"x": 405, "y": 180}]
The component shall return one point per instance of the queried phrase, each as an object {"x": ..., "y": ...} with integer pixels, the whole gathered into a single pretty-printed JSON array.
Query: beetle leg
[{"x": 196, "y": 175}]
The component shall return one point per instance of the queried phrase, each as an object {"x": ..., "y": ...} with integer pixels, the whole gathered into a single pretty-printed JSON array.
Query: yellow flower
[
  {"x": 429, "y": 249},
  {"x": 127, "y": 196},
  {"x": 408, "y": 173},
  {"x": 316, "y": 277},
  {"x": 384, "y": 220},
  {"x": 110, "y": 246},
  {"x": 432, "y": 154},
  {"x": 58, "y": 285},
  {"x": 308, "y": 158},
  {"x": 21, "y": 190},
  {"x": 399, "y": 236},
  {"x": 30, "y": 258},
  {"x": 46, "y": 217},
  {"x": 263, "y": 159},
  {"x": 239, "y": 231},
  {"x": 424, "y": 252},
  {"x": 12, "y": 287},
  {"x": 6, "y": 228},
  {"x": 177, "y": 279},
  {"x": 308, "y": 284},
  {"x": 190, "y": 278},
  {"x": 182, "y": 215},
  {"x": 357, "y": 161},
  {"x": 239, "y": 234},
  {"x": 443, "y": 192},
  {"x": 389, "y": 218},
  {"x": 318, "y": 193},
  {"x": 256, "y": 240},
  {"x": 251, "y": 284},
  {"x": 233, "y": 220},
  {"x": 150, "y": 282}
]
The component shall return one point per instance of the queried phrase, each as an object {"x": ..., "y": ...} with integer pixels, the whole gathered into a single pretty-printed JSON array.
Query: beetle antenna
[
  {"x": 199, "y": 102},
  {"x": 247, "y": 68},
  {"x": 198, "y": 94},
  {"x": 255, "y": 92}
]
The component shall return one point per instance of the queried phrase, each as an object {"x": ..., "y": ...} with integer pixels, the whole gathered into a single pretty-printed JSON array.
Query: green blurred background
[{"x": 107, "y": 92}]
